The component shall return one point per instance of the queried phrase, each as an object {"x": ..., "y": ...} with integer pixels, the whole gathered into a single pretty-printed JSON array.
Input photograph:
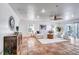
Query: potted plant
[{"x": 58, "y": 29}]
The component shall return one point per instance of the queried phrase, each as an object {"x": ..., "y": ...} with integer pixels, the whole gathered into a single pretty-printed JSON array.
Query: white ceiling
[{"x": 33, "y": 10}]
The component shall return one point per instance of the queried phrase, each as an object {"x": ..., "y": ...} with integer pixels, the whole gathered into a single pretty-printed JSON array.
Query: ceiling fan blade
[{"x": 55, "y": 17}]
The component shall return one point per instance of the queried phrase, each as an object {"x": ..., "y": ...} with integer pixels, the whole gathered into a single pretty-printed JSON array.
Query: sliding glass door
[{"x": 72, "y": 30}]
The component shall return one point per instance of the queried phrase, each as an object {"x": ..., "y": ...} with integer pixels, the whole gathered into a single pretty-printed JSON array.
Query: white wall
[
  {"x": 24, "y": 25},
  {"x": 5, "y": 12}
]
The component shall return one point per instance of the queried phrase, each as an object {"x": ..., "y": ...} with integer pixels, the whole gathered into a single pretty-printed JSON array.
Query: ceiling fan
[{"x": 55, "y": 17}]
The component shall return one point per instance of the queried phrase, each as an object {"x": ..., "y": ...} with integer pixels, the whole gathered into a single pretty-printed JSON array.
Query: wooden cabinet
[{"x": 12, "y": 44}]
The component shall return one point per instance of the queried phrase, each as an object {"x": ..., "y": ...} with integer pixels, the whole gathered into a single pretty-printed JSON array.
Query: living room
[{"x": 39, "y": 29}]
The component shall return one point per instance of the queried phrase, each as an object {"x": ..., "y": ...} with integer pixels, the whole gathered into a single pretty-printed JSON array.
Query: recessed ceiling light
[
  {"x": 43, "y": 10},
  {"x": 37, "y": 17},
  {"x": 72, "y": 15}
]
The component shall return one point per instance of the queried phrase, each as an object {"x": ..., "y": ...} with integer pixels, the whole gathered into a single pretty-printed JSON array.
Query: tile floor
[{"x": 62, "y": 48}]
